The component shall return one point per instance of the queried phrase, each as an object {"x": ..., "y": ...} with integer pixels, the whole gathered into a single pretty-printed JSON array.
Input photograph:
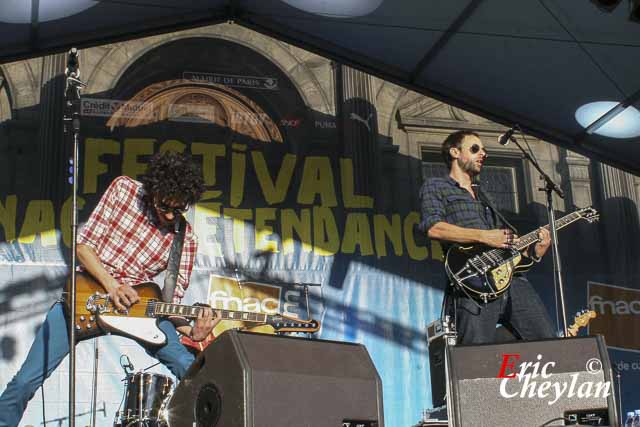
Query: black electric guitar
[
  {"x": 96, "y": 315},
  {"x": 485, "y": 273}
]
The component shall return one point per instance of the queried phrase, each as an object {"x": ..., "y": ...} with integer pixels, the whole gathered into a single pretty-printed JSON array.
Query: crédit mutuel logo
[{"x": 534, "y": 380}]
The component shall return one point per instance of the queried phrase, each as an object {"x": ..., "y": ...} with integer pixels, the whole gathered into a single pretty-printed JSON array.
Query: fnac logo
[
  {"x": 617, "y": 318},
  {"x": 228, "y": 294}
]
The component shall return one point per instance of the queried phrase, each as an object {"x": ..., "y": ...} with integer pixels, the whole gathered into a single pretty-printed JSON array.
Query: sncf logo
[
  {"x": 617, "y": 309},
  {"x": 290, "y": 122}
]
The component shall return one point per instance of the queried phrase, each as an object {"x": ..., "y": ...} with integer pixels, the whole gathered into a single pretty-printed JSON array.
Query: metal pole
[
  {"x": 557, "y": 265},
  {"x": 72, "y": 117},
  {"x": 95, "y": 382},
  {"x": 619, "y": 377},
  {"x": 72, "y": 290}
]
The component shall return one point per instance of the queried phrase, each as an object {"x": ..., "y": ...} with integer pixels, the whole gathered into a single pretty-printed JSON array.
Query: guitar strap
[
  {"x": 497, "y": 213},
  {"x": 171, "y": 274}
]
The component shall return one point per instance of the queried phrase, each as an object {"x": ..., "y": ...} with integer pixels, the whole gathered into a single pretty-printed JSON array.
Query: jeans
[
  {"x": 520, "y": 308},
  {"x": 50, "y": 347}
]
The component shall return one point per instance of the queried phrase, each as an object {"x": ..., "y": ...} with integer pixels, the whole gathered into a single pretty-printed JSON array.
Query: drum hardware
[{"x": 145, "y": 394}]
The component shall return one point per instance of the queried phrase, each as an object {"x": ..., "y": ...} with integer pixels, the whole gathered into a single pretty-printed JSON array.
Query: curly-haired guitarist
[
  {"x": 126, "y": 241},
  {"x": 456, "y": 211}
]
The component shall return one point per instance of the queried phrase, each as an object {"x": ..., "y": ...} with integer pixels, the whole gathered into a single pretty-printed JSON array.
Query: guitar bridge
[{"x": 98, "y": 303}]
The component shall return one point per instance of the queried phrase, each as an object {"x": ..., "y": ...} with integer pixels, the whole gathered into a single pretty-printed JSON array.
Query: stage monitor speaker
[
  {"x": 256, "y": 380},
  {"x": 569, "y": 383}
]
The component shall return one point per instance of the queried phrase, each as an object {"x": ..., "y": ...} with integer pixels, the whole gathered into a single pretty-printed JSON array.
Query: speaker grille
[
  {"x": 208, "y": 406},
  {"x": 484, "y": 406}
]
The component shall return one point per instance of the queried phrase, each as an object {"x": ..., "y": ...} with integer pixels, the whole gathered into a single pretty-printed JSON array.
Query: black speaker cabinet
[
  {"x": 569, "y": 379},
  {"x": 256, "y": 380},
  {"x": 437, "y": 351}
]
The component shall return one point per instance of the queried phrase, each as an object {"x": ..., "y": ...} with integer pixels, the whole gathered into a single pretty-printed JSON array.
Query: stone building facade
[{"x": 408, "y": 123}]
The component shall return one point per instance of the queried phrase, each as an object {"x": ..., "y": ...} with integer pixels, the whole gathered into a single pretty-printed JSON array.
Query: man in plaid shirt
[
  {"x": 452, "y": 212},
  {"x": 126, "y": 241}
]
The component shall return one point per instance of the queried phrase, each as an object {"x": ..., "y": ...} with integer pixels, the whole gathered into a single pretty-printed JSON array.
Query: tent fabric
[{"x": 528, "y": 63}]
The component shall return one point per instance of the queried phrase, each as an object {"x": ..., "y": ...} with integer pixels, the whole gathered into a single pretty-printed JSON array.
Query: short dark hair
[
  {"x": 174, "y": 175},
  {"x": 454, "y": 141}
]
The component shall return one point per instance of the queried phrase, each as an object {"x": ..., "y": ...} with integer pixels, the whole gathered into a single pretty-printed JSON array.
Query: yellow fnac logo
[{"x": 228, "y": 294}]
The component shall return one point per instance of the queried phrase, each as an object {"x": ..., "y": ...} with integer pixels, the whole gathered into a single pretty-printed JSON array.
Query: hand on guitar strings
[
  {"x": 123, "y": 296},
  {"x": 500, "y": 238},
  {"x": 544, "y": 237},
  {"x": 204, "y": 324}
]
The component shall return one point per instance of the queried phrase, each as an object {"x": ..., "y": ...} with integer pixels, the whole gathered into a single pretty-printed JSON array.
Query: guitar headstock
[
  {"x": 581, "y": 320},
  {"x": 281, "y": 323},
  {"x": 589, "y": 214},
  {"x": 584, "y": 317}
]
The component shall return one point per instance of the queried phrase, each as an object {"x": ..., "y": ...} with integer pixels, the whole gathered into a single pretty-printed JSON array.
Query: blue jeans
[{"x": 51, "y": 346}]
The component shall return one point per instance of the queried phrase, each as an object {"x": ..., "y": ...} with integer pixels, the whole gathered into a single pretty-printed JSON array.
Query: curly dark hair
[
  {"x": 454, "y": 140},
  {"x": 172, "y": 175}
]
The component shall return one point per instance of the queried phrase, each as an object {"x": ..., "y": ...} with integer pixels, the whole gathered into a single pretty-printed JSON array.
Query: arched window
[
  {"x": 5, "y": 99},
  {"x": 502, "y": 178}
]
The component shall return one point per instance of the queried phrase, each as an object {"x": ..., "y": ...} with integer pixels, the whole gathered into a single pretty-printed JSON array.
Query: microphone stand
[
  {"x": 72, "y": 124},
  {"x": 94, "y": 386},
  {"x": 549, "y": 188}
]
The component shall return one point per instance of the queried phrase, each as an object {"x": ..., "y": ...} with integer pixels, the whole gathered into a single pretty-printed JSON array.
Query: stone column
[
  {"x": 54, "y": 148},
  {"x": 620, "y": 217},
  {"x": 358, "y": 126}
]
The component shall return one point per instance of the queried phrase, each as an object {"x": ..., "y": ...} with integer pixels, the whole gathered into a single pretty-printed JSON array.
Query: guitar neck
[
  {"x": 193, "y": 311},
  {"x": 532, "y": 237}
]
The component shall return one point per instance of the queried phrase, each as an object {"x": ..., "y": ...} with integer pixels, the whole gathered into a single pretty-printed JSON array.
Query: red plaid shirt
[{"x": 130, "y": 246}]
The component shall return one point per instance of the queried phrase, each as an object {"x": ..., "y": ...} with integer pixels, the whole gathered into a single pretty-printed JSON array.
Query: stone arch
[
  {"x": 5, "y": 99},
  {"x": 388, "y": 100},
  {"x": 21, "y": 84},
  {"x": 112, "y": 64},
  {"x": 203, "y": 102}
]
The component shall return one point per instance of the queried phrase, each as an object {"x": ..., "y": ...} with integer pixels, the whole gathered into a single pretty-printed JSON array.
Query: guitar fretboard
[
  {"x": 532, "y": 237},
  {"x": 193, "y": 311}
]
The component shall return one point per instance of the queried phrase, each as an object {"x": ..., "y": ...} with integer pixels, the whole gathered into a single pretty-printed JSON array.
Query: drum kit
[{"x": 146, "y": 395}]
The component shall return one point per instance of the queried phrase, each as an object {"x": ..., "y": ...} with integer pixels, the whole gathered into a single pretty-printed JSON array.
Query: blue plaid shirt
[{"x": 444, "y": 200}]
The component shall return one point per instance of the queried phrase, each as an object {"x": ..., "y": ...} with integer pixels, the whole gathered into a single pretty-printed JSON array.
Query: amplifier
[
  {"x": 551, "y": 382},
  {"x": 256, "y": 380}
]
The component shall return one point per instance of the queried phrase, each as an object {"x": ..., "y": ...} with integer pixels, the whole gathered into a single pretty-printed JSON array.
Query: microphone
[
  {"x": 506, "y": 137},
  {"x": 72, "y": 69}
]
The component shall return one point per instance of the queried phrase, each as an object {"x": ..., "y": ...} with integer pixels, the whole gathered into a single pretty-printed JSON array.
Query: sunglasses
[
  {"x": 164, "y": 208},
  {"x": 475, "y": 148}
]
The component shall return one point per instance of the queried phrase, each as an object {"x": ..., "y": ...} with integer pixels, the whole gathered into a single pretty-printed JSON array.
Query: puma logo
[{"x": 357, "y": 118}]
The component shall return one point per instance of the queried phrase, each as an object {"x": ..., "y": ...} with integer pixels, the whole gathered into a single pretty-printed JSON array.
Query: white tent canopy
[{"x": 533, "y": 63}]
